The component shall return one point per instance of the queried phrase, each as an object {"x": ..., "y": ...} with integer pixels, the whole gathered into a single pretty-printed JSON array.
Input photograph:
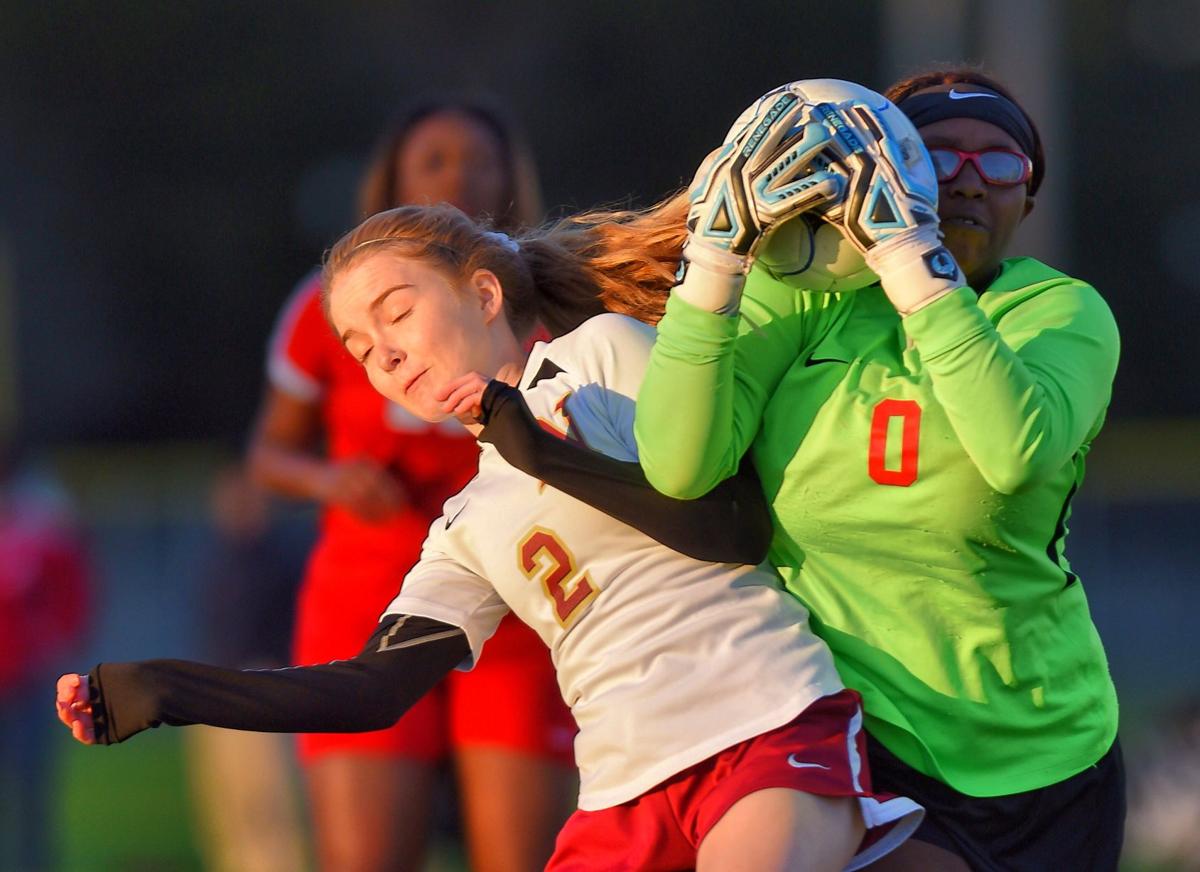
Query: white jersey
[{"x": 663, "y": 659}]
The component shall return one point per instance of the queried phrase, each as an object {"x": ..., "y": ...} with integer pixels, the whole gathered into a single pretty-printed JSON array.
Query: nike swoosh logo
[
  {"x": 797, "y": 764},
  {"x": 958, "y": 95},
  {"x": 454, "y": 517}
]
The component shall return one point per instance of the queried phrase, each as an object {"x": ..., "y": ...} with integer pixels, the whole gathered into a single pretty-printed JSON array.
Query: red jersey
[
  {"x": 43, "y": 587},
  {"x": 431, "y": 461}
]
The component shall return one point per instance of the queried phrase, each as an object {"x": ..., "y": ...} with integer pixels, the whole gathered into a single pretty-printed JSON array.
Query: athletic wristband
[
  {"x": 712, "y": 279},
  {"x": 914, "y": 269}
]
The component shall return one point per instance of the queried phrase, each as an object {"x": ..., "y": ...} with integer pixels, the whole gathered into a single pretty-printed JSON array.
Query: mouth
[
  {"x": 966, "y": 221},
  {"x": 408, "y": 385}
]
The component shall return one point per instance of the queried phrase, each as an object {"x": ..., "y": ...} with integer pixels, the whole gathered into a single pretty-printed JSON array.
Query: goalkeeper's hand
[
  {"x": 776, "y": 163},
  {"x": 890, "y": 209}
]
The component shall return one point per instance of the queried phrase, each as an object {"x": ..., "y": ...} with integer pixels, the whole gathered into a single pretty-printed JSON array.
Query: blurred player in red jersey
[
  {"x": 43, "y": 603},
  {"x": 382, "y": 476}
]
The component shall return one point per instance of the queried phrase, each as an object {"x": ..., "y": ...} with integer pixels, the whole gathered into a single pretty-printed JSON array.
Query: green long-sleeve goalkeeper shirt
[{"x": 920, "y": 475}]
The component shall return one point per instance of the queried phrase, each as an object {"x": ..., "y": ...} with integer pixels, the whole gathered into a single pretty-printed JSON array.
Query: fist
[{"x": 74, "y": 704}]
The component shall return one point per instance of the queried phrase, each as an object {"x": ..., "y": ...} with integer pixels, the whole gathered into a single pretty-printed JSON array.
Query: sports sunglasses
[{"x": 1002, "y": 167}]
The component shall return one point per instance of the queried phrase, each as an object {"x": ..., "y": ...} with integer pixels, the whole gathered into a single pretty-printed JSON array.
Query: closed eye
[
  {"x": 401, "y": 316},
  {"x": 362, "y": 358}
]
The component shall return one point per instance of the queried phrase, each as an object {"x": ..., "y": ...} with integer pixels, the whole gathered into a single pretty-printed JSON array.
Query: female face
[
  {"x": 978, "y": 218},
  {"x": 412, "y": 328},
  {"x": 451, "y": 157}
]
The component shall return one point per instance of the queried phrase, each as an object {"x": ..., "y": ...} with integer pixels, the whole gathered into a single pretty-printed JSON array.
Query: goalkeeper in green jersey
[{"x": 920, "y": 442}]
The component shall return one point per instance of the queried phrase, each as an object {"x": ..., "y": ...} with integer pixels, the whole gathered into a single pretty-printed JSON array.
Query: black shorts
[{"x": 1076, "y": 824}]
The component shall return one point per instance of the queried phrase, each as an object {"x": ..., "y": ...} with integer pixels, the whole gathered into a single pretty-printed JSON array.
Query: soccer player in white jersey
[{"x": 714, "y": 731}]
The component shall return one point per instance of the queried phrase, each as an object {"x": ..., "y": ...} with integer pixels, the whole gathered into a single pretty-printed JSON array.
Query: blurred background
[{"x": 168, "y": 170}]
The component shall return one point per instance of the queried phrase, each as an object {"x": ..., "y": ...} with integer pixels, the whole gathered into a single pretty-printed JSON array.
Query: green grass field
[
  {"x": 125, "y": 808},
  {"x": 128, "y": 808}
]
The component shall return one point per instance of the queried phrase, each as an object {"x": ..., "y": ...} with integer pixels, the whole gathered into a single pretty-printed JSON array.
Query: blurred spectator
[
  {"x": 381, "y": 476},
  {"x": 244, "y": 784},
  {"x": 1163, "y": 829},
  {"x": 43, "y": 601}
]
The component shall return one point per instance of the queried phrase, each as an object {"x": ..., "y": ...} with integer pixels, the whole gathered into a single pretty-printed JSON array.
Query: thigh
[
  {"x": 513, "y": 805},
  {"x": 245, "y": 799},
  {"x": 919, "y": 856},
  {"x": 642, "y": 834},
  {"x": 512, "y": 737},
  {"x": 821, "y": 754},
  {"x": 781, "y": 829},
  {"x": 370, "y": 814}
]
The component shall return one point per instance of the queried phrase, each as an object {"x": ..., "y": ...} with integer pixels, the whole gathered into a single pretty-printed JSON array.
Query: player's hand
[
  {"x": 74, "y": 705},
  {"x": 364, "y": 487},
  {"x": 891, "y": 215},
  {"x": 775, "y": 164},
  {"x": 462, "y": 398}
]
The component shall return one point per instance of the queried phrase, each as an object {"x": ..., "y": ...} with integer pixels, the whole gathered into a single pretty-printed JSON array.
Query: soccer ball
[{"x": 812, "y": 255}]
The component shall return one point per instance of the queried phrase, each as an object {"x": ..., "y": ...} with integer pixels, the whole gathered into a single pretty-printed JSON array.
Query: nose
[
  {"x": 968, "y": 183},
  {"x": 390, "y": 358},
  {"x": 454, "y": 181}
]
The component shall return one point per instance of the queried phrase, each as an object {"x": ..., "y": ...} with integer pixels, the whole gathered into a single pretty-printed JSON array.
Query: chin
[
  {"x": 968, "y": 247},
  {"x": 433, "y": 415}
]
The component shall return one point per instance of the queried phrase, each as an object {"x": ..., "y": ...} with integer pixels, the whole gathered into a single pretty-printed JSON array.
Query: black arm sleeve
[
  {"x": 729, "y": 524},
  {"x": 404, "y": 659}
]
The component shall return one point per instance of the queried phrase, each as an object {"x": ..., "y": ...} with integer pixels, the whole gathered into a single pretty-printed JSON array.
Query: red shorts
[
  {"x": 510, "y": 700},
  {"x": 823, "y": 752}
]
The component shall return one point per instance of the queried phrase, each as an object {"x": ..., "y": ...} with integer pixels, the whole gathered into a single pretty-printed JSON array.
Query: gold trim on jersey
[{"x": 542, "y": 556}]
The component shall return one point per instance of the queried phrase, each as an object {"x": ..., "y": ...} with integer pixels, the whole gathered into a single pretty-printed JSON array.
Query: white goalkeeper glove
[
  {"x": 774, "y": 165},
  {"x": 890, "y": 209}
]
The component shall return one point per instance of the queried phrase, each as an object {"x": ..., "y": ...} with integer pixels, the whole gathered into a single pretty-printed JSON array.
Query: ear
[
  {"x": 1028, "y": 208},
  {"x": 487, "y": 290}
]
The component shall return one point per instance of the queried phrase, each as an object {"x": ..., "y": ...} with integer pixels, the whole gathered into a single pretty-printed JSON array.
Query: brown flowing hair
[
  {"x": 559, "y": 275},
  {"x": 967, "y": 75}
]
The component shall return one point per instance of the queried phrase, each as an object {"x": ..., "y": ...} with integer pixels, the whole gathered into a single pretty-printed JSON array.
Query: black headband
[{"x": 930, "y": 106}]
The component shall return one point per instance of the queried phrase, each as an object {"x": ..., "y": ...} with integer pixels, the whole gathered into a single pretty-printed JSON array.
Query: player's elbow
[
  {"x": 677, "y": 483},
  {"x": 675, "y": 476},
  {"x": 388, "y": 711},
  {"x": 382, "y": 718}
]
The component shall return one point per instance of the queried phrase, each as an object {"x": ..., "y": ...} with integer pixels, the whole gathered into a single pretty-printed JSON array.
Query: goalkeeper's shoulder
[{"x": 1033, "y": 288}]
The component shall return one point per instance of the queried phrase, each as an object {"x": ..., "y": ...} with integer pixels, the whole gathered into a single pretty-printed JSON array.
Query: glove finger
[{"x": 798, "y": 175}]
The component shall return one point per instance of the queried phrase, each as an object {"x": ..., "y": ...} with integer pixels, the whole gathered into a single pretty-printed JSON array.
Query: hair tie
[{"x": 504, "y": 239}]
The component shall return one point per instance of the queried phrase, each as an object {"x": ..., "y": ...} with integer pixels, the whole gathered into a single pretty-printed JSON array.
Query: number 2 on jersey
[
  {"x": 909, "y": 414},
  {"x": 545, "y": 558}
]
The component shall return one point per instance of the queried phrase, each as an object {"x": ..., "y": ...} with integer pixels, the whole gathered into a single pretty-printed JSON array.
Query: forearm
[
  {"x": 290, "y": 472},
  {"x": 401, "y": 662},
  {"x": 730, "y": 524}
]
